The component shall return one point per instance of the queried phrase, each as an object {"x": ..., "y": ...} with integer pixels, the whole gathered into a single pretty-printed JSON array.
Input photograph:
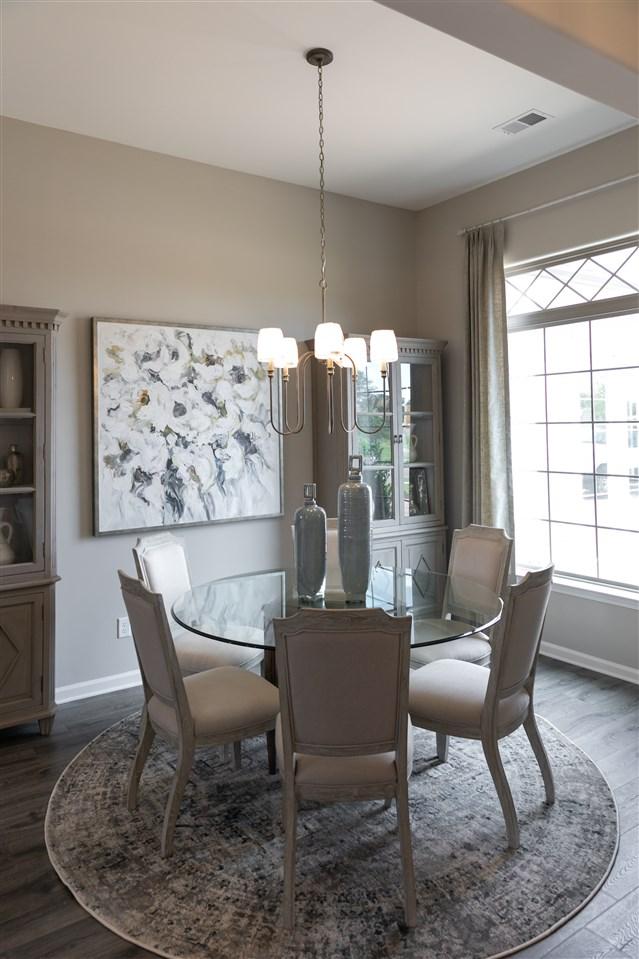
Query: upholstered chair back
[
  {"x": 153, "y": 644},
  {"x": 520, "y": 631},
  {"x": 161, "y": 564},
  {"x": 481, "y": 554},
  {"x": 343, "y": 679}
]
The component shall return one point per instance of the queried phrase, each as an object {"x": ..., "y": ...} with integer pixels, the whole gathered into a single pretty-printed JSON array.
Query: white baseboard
[
  {"x": 96, "y": 687},
  {"x": 586, "y": 661}
]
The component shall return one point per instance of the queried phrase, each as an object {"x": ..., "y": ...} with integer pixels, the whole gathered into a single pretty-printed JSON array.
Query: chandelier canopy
[{"x": 344, "y": 356}]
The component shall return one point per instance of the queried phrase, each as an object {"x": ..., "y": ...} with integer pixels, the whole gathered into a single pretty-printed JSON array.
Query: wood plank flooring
[{"x": 39, "y": 919}]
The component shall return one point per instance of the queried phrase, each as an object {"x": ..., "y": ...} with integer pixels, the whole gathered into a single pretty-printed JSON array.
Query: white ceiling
[{"x": 410, "y": 111}]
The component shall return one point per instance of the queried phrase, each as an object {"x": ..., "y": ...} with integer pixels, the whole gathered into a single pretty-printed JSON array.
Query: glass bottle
[
  {"x": 15, "y": 462},
  {"x": 354, "y": 516},
  {"x": 310, "y": 546}
]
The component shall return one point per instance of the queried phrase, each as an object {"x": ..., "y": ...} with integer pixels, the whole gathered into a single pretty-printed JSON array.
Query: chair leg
[
  {"x": 290, "y": 840},
  {"x": 147, "y": 735},
  {"x": 442, "y": 747},
  {"x": 535, "y": 740},
  {"x": 388, "y": 802},
  {"x": 237, "y": 754},
  {"x": 184, "y": 763},
  {"x": 405, "y": 844},
  {"x": 491, "y": 752},
  {"x": 226, "y": 752}
]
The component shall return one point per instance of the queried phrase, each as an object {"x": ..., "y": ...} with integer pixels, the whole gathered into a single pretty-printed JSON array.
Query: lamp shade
[
  {"x": 383, "y": 347},
  {"x": 269, "y": 344},
  {"x": 288, "y": 355},
  {"x": 329, "y": 340},
  {"x": 355, "y": 350}
]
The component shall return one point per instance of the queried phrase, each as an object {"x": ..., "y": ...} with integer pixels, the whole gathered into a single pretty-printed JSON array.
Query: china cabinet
[
  {"x": 403, "y": 462},
  {"x": 27, "y": 541}
]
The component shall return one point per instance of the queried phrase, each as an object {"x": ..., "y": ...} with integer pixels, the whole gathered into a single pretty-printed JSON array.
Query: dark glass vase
[
  {"x": 354, "y": 516},
  {"x": 310, "y": 547}
]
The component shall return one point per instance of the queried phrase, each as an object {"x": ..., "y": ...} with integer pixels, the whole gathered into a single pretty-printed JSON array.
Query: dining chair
[
  {"x": 455, "y": 698},
  {"x": 481, "y": 554},
  {"x": 209, "y": 708},
  {"x": 343, "y": 733},
  {"x": 161, "y": 564}
]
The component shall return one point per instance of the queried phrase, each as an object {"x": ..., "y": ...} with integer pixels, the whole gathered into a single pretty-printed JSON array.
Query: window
[{"x": 574, "y": 391}]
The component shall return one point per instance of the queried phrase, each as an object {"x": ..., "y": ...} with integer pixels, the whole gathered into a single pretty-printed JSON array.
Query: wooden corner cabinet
[
  {"x": 402, "y": 463},
  {"x": 27, "y": 540}
]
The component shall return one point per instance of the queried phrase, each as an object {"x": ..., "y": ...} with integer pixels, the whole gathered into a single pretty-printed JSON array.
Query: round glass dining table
[{"x": 241, "y": 609}]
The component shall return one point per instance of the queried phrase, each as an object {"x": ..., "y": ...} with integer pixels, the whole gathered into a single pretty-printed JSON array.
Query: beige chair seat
[
  {"x": 376, "y": 769},
  {"x": 471, "y": 649},
  {"x": 222, "y": 701},
  {"x": 198, "y": 653},
  {"x": 452, "y": 693}
]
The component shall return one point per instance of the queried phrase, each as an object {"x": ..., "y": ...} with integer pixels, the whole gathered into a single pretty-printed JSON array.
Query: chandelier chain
[{"x": 320, "y": 100}]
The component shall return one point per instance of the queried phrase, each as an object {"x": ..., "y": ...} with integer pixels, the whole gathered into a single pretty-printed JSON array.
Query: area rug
[{"x": 219, "y": 896}]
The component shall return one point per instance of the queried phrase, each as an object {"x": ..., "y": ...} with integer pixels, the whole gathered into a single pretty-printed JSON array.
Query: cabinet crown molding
[{"x": 28, "y": 318}]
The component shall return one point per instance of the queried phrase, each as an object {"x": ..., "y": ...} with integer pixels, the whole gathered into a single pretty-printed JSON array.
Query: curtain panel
[{"x": 487, "y": 467}]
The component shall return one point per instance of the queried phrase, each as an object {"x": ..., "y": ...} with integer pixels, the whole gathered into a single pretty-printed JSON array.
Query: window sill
[{"x": 583, "y": 589}]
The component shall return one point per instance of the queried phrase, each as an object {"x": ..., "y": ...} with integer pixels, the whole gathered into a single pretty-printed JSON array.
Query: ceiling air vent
[{"x": 524, "y": 122}]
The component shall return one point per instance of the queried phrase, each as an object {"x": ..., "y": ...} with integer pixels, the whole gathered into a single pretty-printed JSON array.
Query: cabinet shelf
[
  {"x": 418, "y": 414},
  {"x": 7, "y": 414},
  {"x": 418, "y": 465},
  {"x": 12, "y": 490}
]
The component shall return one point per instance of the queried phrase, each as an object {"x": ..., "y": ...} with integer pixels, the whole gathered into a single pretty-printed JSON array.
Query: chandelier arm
[
  {"x": 285, "y": 403},
  {"x": 383, "y": 423},
  {"x": 330, "y": 400},
  {"x": 285, "y": 431},
  {"x": 346, "y": 428}
]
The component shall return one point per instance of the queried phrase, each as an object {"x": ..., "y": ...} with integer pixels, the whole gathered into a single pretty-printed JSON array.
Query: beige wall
[
  {"x": 441, "y": 282},
  {"x": 94, "y": 228}
]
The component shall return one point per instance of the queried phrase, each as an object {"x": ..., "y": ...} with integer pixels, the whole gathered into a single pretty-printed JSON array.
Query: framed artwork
[{"x": 182, "y": 429}]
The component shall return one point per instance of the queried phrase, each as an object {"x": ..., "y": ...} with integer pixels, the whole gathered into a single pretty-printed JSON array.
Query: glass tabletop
[{"x": 240, "y": 609}]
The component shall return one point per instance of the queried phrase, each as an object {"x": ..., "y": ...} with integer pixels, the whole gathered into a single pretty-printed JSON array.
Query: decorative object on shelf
[
  {"x": 354, "y": 517},
  {"x": 310, "y": 546},
  {"x": 15, "y": 462},
  {"x": 280, "y": 352},
  {"x": 7, "y": 555},
  {"x": 413, "y": 453},
  {"x": 6, "y": 477},
  {"x": 10, "y": 378},
  {"x": 420, "y": 497},
  {"x": 181, "y": 427}
]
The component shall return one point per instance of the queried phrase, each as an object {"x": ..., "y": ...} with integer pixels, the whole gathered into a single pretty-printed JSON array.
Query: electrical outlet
[{"x": 124, "y": 627}]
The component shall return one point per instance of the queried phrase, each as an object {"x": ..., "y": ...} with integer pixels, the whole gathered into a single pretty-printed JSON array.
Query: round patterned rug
[{"x": 220, "y": 893}]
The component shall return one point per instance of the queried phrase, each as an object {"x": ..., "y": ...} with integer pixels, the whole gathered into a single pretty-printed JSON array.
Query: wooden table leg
[{"x": 270, "y": 673}]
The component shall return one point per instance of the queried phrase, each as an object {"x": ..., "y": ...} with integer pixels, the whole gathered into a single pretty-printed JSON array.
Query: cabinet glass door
[
  {"x": 419, "y": 448},
  {"x": 378, "y": 449},
  {"x": 20, "y": 441}
]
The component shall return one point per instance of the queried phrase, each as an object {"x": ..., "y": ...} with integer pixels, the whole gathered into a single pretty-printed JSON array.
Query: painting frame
[{"x": 98, "y": 322}]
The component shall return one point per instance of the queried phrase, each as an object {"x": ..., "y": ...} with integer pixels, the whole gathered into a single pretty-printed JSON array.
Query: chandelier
[{"x": 342, "y": 358}]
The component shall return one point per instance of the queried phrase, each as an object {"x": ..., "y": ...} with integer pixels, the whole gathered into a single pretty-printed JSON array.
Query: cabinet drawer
[{"x": 21, "y": 650}]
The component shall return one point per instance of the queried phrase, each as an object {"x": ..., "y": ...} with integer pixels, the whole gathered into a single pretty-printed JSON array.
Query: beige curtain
[{"x": 487, "y": 473}]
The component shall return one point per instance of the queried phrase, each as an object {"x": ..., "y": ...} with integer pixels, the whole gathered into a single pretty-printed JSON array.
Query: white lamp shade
[
  {"x": 269, "y": 344},
  {"x": 355, "y": 350},
  {"x": 383, "y": 347},
  {"x": 329, "y": 340},
  {"x": 288, "y": 355}
]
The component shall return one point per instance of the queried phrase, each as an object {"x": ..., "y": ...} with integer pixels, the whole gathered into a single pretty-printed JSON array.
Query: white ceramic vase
[
  {"x": 10, "y": 378},
  {"x": 7, "y": 555}
]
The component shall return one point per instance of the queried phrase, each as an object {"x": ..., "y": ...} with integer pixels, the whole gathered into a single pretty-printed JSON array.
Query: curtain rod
[{"x": 545, "y": 206}]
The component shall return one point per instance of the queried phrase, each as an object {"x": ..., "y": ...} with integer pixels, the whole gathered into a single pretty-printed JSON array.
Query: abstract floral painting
[{"x": 182, "y": 427}]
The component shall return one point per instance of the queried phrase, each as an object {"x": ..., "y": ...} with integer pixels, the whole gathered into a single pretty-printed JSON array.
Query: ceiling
[{"x": 410, "y": 110}]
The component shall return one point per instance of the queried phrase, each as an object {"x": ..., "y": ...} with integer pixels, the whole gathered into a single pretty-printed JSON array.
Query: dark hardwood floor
[{"x": 40, "y": 919}]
